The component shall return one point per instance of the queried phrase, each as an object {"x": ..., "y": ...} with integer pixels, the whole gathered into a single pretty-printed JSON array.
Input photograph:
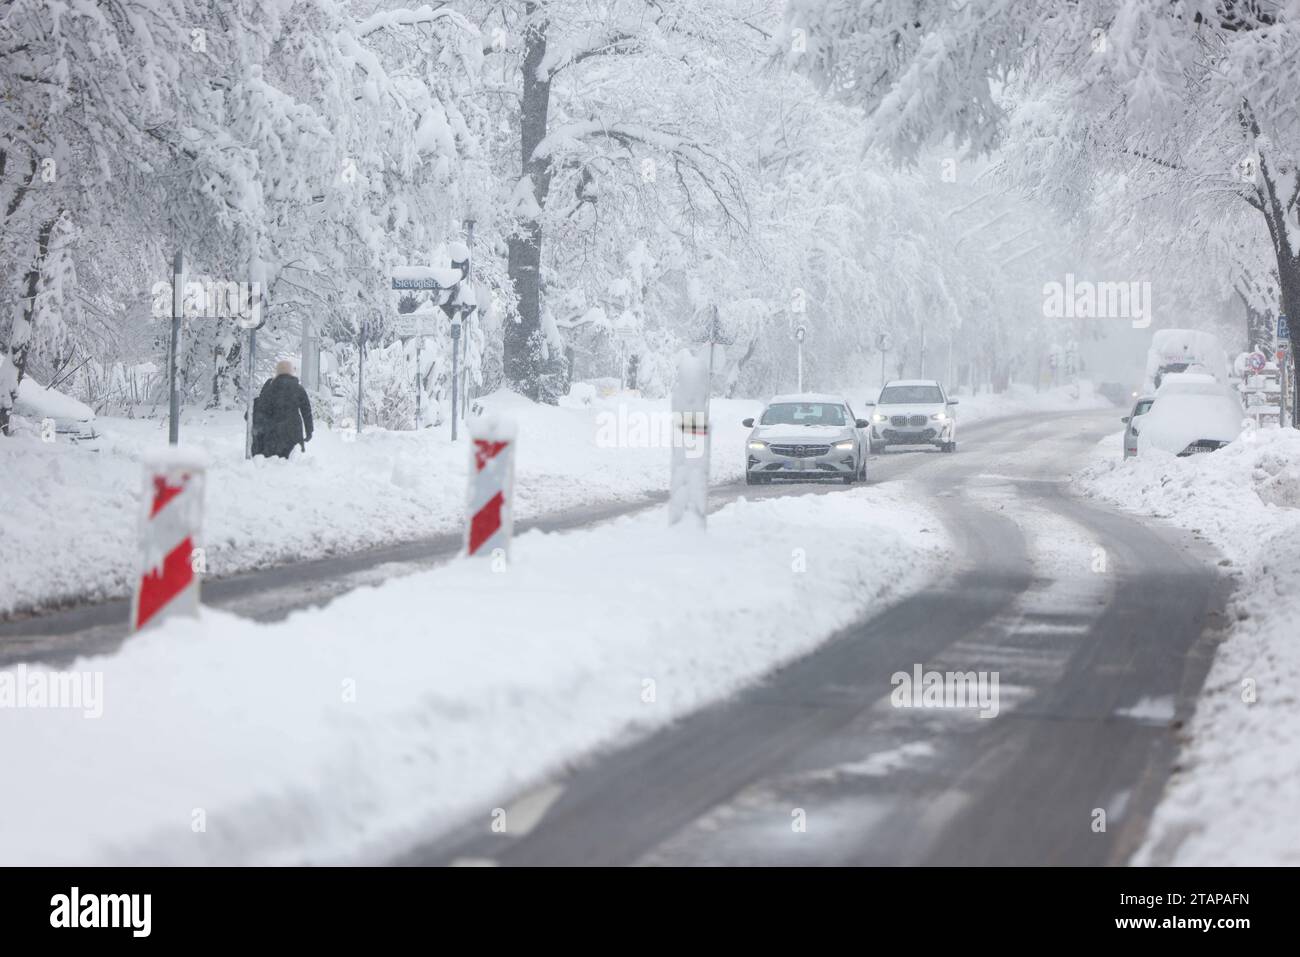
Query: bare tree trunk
[
  {"x": 1277, "y": 208},
  {"x": 1259, "y": 325},
  {"x": 20, "y": 342},
  {"x": 1288, "y": 275},
  {"x": 523, "y": 338}
]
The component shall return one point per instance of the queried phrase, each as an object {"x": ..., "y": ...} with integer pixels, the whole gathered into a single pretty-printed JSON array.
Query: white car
[
  {"x": 1191, "y": 412},
  {"x": 807, "y": 436},
  {"x": 914, "y": 412},
  {"x": 1140, "y": 407}
]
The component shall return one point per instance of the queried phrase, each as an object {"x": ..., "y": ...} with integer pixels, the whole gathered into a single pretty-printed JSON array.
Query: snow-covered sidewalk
[
  {"x": 1235, "y": 799},
  {"x": 68, "y": 529},
  {"x": 346, "y": 731},
  {"x": 71, "y": 515}
]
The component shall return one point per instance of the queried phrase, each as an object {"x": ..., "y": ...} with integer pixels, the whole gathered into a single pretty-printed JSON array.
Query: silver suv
[
  {"x": 914, "y": 412},
  {"x": 810, "y": 436}
]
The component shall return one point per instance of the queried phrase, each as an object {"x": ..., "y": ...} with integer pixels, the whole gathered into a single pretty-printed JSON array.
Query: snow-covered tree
[{"x": 1190, "y": 103}]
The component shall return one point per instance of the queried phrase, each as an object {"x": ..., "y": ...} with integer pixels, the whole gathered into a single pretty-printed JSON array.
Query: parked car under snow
[
  {"x": 71, "y": 419},
  {"x": 1191, "y": 413}
]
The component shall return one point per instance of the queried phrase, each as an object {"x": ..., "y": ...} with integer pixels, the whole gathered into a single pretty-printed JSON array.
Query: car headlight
[
  {"x": 845, "y": 446},
  {"x": 878, "y": 417},
  {"x": 940, "y": 416},
  {"x": 758, "y": 446}
]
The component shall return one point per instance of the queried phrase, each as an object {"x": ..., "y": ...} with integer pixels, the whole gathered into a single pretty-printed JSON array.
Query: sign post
[
  {"x": 456, "y": 306},
  {"x": 799, "y": 333},
  {"x": 883, "y": 343},
  {"x": 1283, "y": 350},
  {"x": 469, "y": 282},
  {"x": 1285, "y": 381},
  {"x": 252, "y": 382},
  {"x": 455, "y": 372},
  {"x": 174, "y": 389}
]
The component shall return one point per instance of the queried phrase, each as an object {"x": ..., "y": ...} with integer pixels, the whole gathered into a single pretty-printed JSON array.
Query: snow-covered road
[
  {"x": 1091, "y": 626},
  {"x": 1093, "y": 623}
]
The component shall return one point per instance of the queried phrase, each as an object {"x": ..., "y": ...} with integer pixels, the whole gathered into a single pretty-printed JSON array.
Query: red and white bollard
[
  {"x": 491, "y": 486},
  {"x": 171, "y": 519}
]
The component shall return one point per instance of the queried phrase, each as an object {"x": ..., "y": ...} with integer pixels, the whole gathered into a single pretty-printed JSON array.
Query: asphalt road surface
[{"x": 1100, "y": 628}]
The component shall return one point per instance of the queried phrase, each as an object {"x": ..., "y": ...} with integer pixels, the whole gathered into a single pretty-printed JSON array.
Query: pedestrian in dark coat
[{"x": 281, "y": 414}]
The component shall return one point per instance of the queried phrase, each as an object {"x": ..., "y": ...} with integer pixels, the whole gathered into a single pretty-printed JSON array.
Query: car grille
[
  {"x": 905, "y": 437},
  {"x": 800, "y": 451},
  {"x": 904, "y": 421},
  {"x": 1202, "y": 445}
]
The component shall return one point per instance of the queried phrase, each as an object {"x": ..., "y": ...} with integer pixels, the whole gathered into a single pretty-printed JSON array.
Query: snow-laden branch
[
  {"x": 420, "y": 16},
  {"x": 570, "y": 136},
  {"x": 602, "y": 43}
]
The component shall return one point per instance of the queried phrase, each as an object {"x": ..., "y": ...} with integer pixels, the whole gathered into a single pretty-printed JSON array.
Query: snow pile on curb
[
  {"x": 68, "y": 528},
  {"x": 1235, "y": 800},
  {"x": 345, "y": 732}
]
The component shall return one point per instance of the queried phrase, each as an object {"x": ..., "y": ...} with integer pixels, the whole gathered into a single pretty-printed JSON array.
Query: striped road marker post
[
  {"x": 170, "y": 524},
  {"x": 491, "y": 486}
]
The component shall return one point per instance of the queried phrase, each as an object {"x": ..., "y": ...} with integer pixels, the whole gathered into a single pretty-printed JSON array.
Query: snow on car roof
[
  {"x": 808, "y": 397},
  {"x": 911, "y": 382}
]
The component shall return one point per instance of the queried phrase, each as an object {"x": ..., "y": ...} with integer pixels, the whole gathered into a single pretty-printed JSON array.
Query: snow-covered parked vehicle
[
  {"x": 1140, "y": 408},
  {"x": 1175, "y": 351},
  {"x": 48, "y": 408},
  {"x": 913, "y": 412},
  {"x": 1191, "y": 412},
  {"x": 806, "y": 437}
]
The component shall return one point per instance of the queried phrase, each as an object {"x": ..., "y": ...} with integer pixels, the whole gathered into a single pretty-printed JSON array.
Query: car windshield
[
  {"x": 906, "y": 394},
  {"x": 804, "y": 413},
  {"x": 1143, "y": 406}
]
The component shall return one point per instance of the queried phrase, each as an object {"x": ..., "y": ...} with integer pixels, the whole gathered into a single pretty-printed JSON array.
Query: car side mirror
[
  {"x": 1126, "y": 418},
  {"x": 868, "y": 403},
  {"x": 862, "y": 424},
  {"x": 748, "y": 423},
  {"x": 952, "y": 401}
]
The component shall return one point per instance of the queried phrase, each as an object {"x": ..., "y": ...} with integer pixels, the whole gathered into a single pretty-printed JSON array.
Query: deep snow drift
[
  {"x": 345, "y": 732},
  {"x": 1235, "y": 799}
]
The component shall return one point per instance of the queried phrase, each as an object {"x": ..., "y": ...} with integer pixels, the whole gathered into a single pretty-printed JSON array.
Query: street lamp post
[
  {"x": 174, "y": 389},
  {"x": 798, "y": 340}
]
